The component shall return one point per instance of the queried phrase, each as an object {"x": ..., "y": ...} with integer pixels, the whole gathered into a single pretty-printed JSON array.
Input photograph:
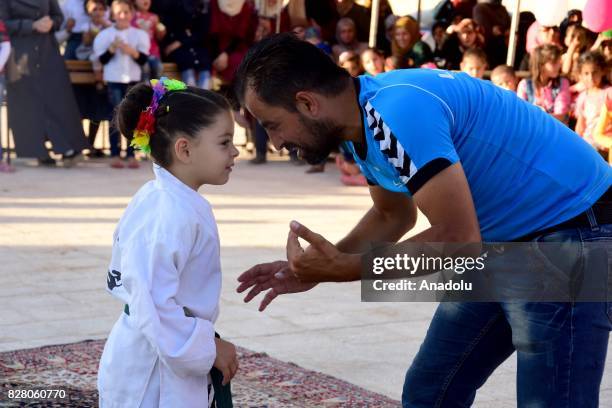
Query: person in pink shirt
[
  {"x": 546, "y": 88},
  {"x": 149, "y": 22},
  {"x": 592, "y": 68}
]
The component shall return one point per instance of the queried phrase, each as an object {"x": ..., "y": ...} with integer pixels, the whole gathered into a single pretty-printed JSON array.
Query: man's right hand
[{"x": 275, "y": 276}]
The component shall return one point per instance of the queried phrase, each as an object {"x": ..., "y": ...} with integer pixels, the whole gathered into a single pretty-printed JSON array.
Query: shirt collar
[{"x": 169, "y": 182}]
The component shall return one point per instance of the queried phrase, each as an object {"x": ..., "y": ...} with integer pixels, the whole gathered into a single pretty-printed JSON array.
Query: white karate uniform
[{"x": 165, "y": 257}]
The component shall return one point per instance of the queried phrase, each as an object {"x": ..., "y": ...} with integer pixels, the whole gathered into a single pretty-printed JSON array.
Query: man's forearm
[{"x": 375, "y": 227}]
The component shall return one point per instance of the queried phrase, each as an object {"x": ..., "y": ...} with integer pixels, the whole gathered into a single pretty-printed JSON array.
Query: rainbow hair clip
[{"x": 146, "y": 121}]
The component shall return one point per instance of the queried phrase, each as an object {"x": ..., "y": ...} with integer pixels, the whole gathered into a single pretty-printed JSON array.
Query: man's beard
[{"x": 325, "y": 136}]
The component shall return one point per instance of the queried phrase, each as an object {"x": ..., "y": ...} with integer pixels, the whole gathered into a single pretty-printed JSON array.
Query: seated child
[
  {"x": 591, "y": 101},
  {"x": 350, "y": 61},
  {"x": 165, "y": 264},
  {"x": 373, "y": 61},
  {"x": 474, "y": 63},
  {"x": 504, "y": 77}
]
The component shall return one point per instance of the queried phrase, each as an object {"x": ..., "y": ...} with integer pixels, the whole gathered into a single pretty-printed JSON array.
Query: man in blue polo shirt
[{"x": 482, "y": 166}]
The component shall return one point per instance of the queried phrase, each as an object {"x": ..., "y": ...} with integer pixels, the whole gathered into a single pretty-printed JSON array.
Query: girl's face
[
  {"x": 551, "y": 69},
  {"x": 212, "y": 153},
  {"x": 96, "y": 12},
  {"x": 505, "y": 81},
  {"x": 467, "y": 36},
  {"x": 143, "y": 5},
  {"x": 569, "y": 35},
  {"x": 402, "y": 37},
  {"x": 373, "y": 63},
  {"x": 122, "y": 14},
  {"x": 590, "y": 76},
  {"x": 347, "y": 34},
  {"x": 474, "y": 67}
]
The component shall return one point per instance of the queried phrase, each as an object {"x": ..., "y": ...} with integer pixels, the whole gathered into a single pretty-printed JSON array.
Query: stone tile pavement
[{"x": 55, "y": 234}]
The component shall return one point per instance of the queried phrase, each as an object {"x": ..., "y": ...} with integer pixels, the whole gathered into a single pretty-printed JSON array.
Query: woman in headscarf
[
  {"x": 41, "y": 104},
  {"x": 406, "y": 43}
]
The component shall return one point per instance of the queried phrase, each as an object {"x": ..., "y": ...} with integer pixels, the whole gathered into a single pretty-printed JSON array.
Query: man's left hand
[{"x": 321, "y": 261}]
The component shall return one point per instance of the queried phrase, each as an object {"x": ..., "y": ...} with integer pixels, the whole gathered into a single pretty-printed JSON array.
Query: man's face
[{"x": 313, "y": 138}]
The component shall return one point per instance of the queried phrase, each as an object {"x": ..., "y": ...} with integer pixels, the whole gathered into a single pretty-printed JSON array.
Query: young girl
[
  {"x": 5, "y": 50},
  {"x": 546, "y": 88},
  {"x": 373, "y": 61},
  {"x": 122, "y": 50},
  {"x": 591, "y": 68},
  {"x": 165, "y": 265},
  {"x": 577, "y": 41},
  {"x": 149, "y": 22}
]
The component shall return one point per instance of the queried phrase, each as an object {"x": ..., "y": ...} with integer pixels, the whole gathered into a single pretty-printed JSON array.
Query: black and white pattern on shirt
[{"x": 390, "y": 147}]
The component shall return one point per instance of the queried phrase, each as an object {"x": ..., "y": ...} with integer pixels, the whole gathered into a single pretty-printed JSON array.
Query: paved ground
[{"x": 56, "y": 228}]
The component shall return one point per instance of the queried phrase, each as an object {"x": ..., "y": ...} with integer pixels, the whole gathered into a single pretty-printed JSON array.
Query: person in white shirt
[
  {"x": 75, "y": 24},
  {"x": 121, "y": 49},
  {"x": 165, "y": 264}
]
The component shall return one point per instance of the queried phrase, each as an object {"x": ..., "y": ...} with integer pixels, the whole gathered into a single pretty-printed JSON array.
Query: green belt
[{"x": 188, "y": 313}]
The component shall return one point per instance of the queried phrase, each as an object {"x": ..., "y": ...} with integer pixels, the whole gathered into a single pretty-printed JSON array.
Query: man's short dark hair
[{"x": 281, "y": 65}]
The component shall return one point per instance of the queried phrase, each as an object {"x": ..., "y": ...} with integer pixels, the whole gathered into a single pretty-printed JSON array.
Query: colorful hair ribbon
[{"x": 146, "y": 121}]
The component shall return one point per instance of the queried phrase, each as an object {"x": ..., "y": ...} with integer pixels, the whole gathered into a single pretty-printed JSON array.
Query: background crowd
[{"x": 564, "y": 69}]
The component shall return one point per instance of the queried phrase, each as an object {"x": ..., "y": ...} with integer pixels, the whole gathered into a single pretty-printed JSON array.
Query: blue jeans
[
  {"x": 560, "y": 347},
  {"x": 202, "y": 80},
  {"x": 72, "y": 44},
  {"x": 116, "y": 93},
  {"x": 152, "y": 69}
]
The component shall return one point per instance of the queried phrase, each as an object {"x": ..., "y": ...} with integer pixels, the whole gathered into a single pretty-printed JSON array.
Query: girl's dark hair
[
  {"x": 592, "y": 57},
  {"x": 180, "y": 113},
  {"x": 541, "y": 55}
]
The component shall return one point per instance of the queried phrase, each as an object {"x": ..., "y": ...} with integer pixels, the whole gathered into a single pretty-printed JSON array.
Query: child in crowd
[
  {"x": 474, "y": 63},
  {"x": 93, "y": 103},
  {"x": 165, "y": 264},
  {"x": 546, "y": 88},
  {"x": 577, "y": 41},
  {"x": 149, "y": 22},
  {"x": 393, "y": 62},
  {"x": 350, "y": 61},
  {"x": 373, "y": 61},
  {"x": 97, "y": 12},
  {"x": 121, "y": 49},
  {"x": 591, "y": 101},
  {"x": 5, "y": 50},
  {"x": 504, "y": 77}
]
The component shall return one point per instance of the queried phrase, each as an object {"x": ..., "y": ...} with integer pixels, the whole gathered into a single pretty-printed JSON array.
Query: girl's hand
[{"x": 226, "y": 360}]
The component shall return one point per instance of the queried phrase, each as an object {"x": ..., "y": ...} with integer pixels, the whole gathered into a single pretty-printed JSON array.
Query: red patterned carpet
[{"x": 261, "y": 382}]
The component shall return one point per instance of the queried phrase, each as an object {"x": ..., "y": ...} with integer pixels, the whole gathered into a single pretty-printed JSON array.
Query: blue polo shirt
[{"x": 526, "y": 170}]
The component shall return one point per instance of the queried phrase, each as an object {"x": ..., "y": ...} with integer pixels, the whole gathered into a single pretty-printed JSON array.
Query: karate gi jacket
[{"x": 165, "y": 258}]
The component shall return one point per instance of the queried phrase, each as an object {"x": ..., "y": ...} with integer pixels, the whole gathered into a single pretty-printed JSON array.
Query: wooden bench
[{"x": 81, "y": 72}]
